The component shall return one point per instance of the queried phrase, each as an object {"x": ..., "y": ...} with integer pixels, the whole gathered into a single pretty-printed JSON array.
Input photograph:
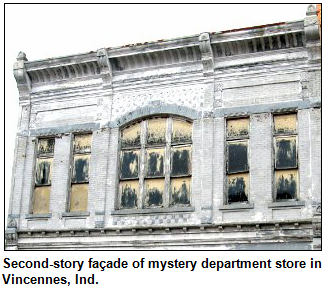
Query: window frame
[
  {"x": 143, "y": 177},
  {"x": 73, "y": 154},
  {"x": 230, "y": 139},
  {"x": 39, "y": 156},
  {"x": 296, "y": 168}
]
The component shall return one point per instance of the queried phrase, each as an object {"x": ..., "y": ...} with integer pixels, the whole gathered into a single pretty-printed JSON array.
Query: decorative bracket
[
  {"x": 105, "y": 67},
  {"x": 11, "y": 233},
  {"x": 311, "y": 29},
  {"x": 21, "y": 76},
  {"x": 206, "y": 54}
]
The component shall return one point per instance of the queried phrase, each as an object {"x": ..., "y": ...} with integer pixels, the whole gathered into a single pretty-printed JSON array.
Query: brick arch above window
[{"x": 155, "y": 108}]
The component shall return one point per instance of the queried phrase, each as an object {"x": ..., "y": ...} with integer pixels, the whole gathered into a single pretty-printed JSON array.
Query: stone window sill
[
  {"x": 153, "y": 210},
  {"x": 237, "y": 206},
  {"x": 38, "y": 215},
  {"x": 282, "y": 204},
  {"x": 75, "y": 214}
]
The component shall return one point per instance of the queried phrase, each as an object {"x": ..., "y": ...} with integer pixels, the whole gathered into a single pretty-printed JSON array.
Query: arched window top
[{"x": 155, "y": 163}]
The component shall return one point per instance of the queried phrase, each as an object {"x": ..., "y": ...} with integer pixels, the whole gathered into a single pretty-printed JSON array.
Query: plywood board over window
[
  {"x": 129, "y": 192},
  {"x": 181, "y": 131},
  {"x": 154, "y": 153},
  {"x": 180, "y": 191},
  {"x": 154, "y": 192},
  {"x": 155, "y": 162},
  {"x": 156, "y": 131},
  {"x": 237, "y": 128},
  {"x": 286, "y": 123},
  {"x": 130, "y": 136},
  {"x": 129, "y": 167},
  {"x": 286, "y": 184}
]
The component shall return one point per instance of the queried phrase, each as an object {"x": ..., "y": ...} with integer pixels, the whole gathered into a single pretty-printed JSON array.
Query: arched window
[{"x": 155, "y": 163}]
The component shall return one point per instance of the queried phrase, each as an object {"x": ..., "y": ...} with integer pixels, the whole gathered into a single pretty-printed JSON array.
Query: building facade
[{"x": 211, "y": 141}]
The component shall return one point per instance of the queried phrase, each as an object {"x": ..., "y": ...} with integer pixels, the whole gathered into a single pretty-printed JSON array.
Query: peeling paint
[
  {"x": 181, "y": 161},
  {"x": 286, "y": 153},
  {"x": 238, "y": 156},
  {"x": 181, "y": 131},
  {"x": 285, "y": 123},
  {"x": 238, "y": 185},
  {"x": 156, "y": 131},
  {"x": 43, "y": 171},
  {"x": 80, "y": 169},
  {"x": 155, "y": 162},
  {"x": 180, "y": 191},
  {"x": 82, "y": 143},
  {"x": 154, "y": 192},
  {"x": 129, "y": 191},
  {"x": 79, "y": 197},
  {"x": 45, "y": 146},
  {"x": 130, "y": 136},
  {"x": 129, "y": 164},
  {"x": 237, "y": 127},
  {"x": 286, "y": 184}
]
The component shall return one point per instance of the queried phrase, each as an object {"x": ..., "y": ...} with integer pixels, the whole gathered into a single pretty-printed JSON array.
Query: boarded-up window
[
  {"x": 285, "y": 152},
  {"x": 237, "y": 156},
  {"x": 129, "y": 164},
  {"x": 155, "y": 162},
  {"x": 181, "y": 131},
  {"x": 45, "y": 146},
  {"x": 154, "y": 192},
  {"x": 81, "y": 169},
  {"x": 286, "y": 184},
  {"x": 82, "y": 144},
  {"x": 155, "y": 153},
  {"x": 286, "y": 157},
  {"x": 238, "y": 185},
  {"x": 181, "y": 161},
  {"x": 43, "y": 173},
  {"x": 285, "y": 123},
  {"x": 237, "y": 128},
  {"x": 156, "y": 131},
  {"x": 79, "y": 197},
  {"x": 41, "y": 199},
  {"x": 180, "y": 191},
  {"x": 130, "y": 136},
  {"x": 237, "y": 163},
  {"x": 129, "y": 192}
]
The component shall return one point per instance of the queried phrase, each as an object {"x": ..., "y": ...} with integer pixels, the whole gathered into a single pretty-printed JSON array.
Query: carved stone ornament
[
  {"x": 12, "y": 223},
  {"x": 11, "y": 236}
]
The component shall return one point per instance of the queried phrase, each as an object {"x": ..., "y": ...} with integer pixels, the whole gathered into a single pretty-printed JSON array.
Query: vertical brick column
[
  {"x": 112, "y": 176},
  {"x": 196, "y": 168},
  {"x": 23, "y": 178},
  {"x": 261, "y": 164},
  {"x": 218, "y": 156},
  {"x": 315, "y": 140},
  {"x": 60, "y": 180},
  {"x": 98, "y": 176},
  {"x": 207, "y": 126},
  {"x": 304, "y": 161}
]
